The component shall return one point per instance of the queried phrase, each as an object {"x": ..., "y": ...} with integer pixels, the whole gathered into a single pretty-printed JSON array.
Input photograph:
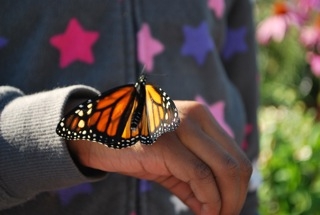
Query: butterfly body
[
  {"x": 122, "y": 116},
  {"x": 140, "y": 94}
]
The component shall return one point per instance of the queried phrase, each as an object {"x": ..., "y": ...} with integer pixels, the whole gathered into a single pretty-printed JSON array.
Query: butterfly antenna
[{"x": 143, "y": 71}]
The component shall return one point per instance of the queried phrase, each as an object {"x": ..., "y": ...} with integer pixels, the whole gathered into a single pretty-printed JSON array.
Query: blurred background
[{"x": 288, "y": 35}]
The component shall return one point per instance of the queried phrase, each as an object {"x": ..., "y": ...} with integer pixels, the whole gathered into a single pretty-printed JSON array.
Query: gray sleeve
[{"x": 33, "y": 158}]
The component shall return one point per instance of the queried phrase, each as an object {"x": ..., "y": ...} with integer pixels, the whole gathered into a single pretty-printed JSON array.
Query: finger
[
  {"x": 182, "y": 190},
  {"x": 187, "y": 167},
  {"x": 224, "y": 167},
  {"x": 232, "y": 147},
  {"x": 209, "y": 125}
]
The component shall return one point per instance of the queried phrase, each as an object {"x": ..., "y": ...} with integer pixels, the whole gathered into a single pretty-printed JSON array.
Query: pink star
[
  {"x": 148, "y": 47},
  {"x": 217, "y": 110},
  {"x": 217, "y": 6},
  {"x": 75, "y": 44}
]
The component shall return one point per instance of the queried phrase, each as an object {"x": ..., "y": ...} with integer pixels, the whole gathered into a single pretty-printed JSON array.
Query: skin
[{"x": 198, "y": 162}]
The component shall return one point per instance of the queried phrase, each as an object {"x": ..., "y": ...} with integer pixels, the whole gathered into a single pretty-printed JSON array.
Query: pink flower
[
  {"x": 276, "y": 26},
  {"x": 310, "y": 36},
  {"x": 309, "y": 5},
  {"x": 314, "y": 61},
  {"x": 272, "y": 28}
]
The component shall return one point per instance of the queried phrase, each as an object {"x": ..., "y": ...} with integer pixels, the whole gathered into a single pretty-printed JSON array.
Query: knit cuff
[{"x": 33, "y": 158}]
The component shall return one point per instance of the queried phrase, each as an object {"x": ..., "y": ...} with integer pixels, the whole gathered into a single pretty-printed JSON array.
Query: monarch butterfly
[{"x": 122, "y": 116}]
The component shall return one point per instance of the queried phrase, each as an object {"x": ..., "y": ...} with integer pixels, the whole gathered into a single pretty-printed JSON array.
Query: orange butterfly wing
[
  {"x": 105, "y": 119},
  {"x": 122, "y": 116},
  {"x": 160, "y": 115}
]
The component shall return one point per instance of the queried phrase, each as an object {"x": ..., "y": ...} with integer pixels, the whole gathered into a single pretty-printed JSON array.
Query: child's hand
[{"x": 198, "y": 162}]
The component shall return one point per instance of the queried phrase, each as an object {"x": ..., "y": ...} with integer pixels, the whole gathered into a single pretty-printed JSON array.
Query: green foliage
[
  {"x": 285, "y": 75},
  {"x": 289, "y": 161},
  {"x": 290, "y": 127}
]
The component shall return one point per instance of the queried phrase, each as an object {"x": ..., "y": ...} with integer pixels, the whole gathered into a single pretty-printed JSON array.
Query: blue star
[
  {"x": 3, "y": 42},
  {"x": 66, "y": 195},
  {"x": 198, "y": 42},
  {"x": 144, "y": 186},
  {"x": 235, "y": 42}
]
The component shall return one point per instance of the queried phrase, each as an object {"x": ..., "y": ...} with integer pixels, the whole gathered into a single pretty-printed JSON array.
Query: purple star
[
  {"x": 144, "y": 186},
  {"x": 66, "y": 195},
  {"x": 198, "y": 42},
  {"x": 3, "y": 42},
  {"x": 235, "y": 42}
]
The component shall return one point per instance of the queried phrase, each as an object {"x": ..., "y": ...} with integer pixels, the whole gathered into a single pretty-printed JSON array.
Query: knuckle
[
  {"x": 218, "y": 203},
  {"x": 246, "y": 168},
  {"x": 202, "y": 171},
  {"x": 199, "y": 108},
  {"x": 232, "y": 166}
]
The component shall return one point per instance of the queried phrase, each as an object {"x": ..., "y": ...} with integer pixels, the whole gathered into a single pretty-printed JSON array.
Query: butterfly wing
[
  {"x": 106, "y": 119},
  {"x": 160, "y": 115},
  {"x": 122, "y": 116}
]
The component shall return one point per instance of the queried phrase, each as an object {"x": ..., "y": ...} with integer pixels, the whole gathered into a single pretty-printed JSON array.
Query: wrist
[
  {"x": 80, "y": 153},
  {"x": 80, "y": 150}
]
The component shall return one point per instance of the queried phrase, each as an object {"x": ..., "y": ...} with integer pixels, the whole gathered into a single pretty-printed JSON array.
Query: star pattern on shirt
[
  {"x": 217, "y": 110},
  {"x": 235, "y": 42},
  {"x": 75, "y": 44},
  {"x": 217, "y": 6},
  {"x": 247, "y": 131},
  {"x": 144, "y": 186},
  {"x": 3, "y": 42},
  {"x": 66, "y": 195},
  {"x": 198, "y": 42},
  {"x": 148, "y": 47}
]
